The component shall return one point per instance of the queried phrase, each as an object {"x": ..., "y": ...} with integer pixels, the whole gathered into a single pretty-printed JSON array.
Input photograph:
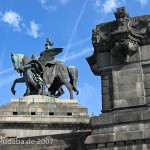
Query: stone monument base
[
  {"x": 41, "y": 115},
  {"x": 120, "y": 130},
  {"x": 67, "y": 141}
]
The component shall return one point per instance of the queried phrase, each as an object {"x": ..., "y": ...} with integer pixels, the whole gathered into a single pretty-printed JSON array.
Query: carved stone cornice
[{"x": 122, "y": 38}]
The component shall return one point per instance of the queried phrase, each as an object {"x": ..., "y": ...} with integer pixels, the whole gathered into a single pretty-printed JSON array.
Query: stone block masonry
[
  {"x": 37, "y": 115},
  {"x": 122, "y": 58}
]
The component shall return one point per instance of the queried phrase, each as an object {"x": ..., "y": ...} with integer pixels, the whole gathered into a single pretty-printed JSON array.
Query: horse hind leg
[
  {"x": 73, "y": 75},
  {"x": 69, "y": 87},
  {"x": 76, "y": 90},
  {"x": 73, "y": 83}
]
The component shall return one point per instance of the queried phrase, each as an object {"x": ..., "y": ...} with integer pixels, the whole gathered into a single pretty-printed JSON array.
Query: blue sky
[{"x": 25, "y": 25}]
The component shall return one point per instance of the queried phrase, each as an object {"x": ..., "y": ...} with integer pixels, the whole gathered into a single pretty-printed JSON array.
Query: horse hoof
[
  {"x": 26, "y": 94},
  {"x": 77, "y": 92},
  {"x": 56, "y": 96}
]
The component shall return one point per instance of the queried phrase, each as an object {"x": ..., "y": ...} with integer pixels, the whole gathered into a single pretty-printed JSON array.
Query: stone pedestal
[
  {"x": 122, "y": 58},
  {"x": 120, "y": 131},
  {"x": 41, "y": 115}
]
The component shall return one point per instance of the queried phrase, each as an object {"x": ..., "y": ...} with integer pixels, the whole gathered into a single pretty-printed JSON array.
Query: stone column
[
  {"x": 122, "y": 58},
  {"x": 107, "y": 91}
]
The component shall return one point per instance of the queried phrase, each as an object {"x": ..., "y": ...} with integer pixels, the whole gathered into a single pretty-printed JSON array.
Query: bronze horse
[
  {"x": 19, "y": 62},
  {"x": 53, "y": 76}
]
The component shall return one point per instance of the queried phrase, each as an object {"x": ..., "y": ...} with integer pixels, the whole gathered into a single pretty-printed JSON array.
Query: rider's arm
[{"x": 27, "y": 66}]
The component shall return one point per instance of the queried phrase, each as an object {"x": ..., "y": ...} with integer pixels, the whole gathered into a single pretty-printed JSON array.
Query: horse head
[{"x": 17, "y": 60}]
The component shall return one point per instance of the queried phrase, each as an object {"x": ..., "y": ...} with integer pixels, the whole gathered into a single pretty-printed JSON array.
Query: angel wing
[{"x": 49, "y": 55}]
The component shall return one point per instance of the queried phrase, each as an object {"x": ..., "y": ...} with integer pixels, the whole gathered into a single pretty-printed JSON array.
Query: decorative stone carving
[
  {"x": 125, "y": 38},
  {"x": 122, "y": 37}
]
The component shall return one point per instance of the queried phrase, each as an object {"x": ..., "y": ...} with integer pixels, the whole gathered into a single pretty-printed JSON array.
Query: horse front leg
[
  {"x": 27, "y": 88},
  {"x": 50, "y": 92},
  {"x": 48, "y": 80},
  {"x": 19, "y": 80}
]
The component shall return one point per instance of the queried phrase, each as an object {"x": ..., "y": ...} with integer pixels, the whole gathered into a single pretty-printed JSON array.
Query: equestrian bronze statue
[{"x": 45, "y": 72}]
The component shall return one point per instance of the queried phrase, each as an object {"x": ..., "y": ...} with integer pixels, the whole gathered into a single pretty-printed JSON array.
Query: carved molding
[{"x": 122, "y": 37}]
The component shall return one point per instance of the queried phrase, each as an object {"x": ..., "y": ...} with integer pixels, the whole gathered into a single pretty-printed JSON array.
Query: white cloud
[
  {"x": 63, "y": 2},
  {"x": 13, "y": 19},
  {"x": 34, "y": 30},
  {"x": 143, "y": 2},
  {"x": 43, "y": 2},
  {"x": 98, "y": 5},
  {"x": 45, "y": 5},
  {"x": 108, "y": 5},
  {"x": 50, "y": 7}
]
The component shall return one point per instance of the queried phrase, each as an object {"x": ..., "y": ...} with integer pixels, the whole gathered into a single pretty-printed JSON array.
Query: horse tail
[{"x": 73, "y": 75}]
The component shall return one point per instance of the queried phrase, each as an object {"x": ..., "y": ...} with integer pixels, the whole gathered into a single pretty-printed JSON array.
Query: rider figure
[
  {"x": 48, "y": 44},
  {"x": 34, "y": 57},
  {"x": 37, "y": 74}
]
